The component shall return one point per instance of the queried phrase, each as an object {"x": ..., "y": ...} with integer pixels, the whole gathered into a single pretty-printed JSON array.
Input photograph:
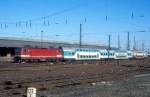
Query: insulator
[
  {"x": 26, "y": 24},
  {"x": 16, "y": 24},
  {"x": 30, "y": 23},
  {"x": 48, "y": 23},
  {"x": 5, "y": 25},
  {"x": 106, "y": 18},
  {"x": 1, "y": 25},
  {"x": 19, "y": 24},
  {"x": 66, "y": 21}
]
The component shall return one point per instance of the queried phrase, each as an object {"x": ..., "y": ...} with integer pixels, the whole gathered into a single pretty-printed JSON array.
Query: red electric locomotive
[{"x": 38, "y": 54}]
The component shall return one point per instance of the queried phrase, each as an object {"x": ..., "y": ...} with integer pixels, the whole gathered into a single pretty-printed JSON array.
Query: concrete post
[{"x": 31, "y": 92}]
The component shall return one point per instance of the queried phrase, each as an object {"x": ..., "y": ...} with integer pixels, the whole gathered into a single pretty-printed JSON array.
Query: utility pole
[
  {"x": 148, "y": 50},
  {"x": 143, "y": 46},
  {"x": 134, "y": 45},
  {"x": 119, "y": 42},
  {"x": 109, "y": 39},
  {"x": 42, "y": 38},
  {"x": 80, "y": 38},
  {"x": 109, "y": 47},
  {"x": 128, "y": 41}
]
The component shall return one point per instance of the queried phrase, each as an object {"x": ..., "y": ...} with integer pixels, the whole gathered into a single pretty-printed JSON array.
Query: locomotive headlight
[{"x": 59, "y": 55}]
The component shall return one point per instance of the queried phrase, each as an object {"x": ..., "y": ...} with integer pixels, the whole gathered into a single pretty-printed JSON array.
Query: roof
[{"x": 14, "y": 42}]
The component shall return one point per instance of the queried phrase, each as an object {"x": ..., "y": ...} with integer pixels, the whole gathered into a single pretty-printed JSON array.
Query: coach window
[
  {"x": 82, "y": 56},
  {"x": 25, "y": 50},
  {"x": 72, "y": 53},
  {"x": 97, "y": 55},
  {"x": 110, "y": 54},
  {"x": 67, "y": 53}
]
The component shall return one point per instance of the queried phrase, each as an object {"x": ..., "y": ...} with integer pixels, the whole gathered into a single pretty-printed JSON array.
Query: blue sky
[{"x": 123, "y": 16}]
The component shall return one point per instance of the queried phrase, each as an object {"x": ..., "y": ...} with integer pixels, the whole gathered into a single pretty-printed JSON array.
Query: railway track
[
  {"x": 61, "y": 76},
  {"x": 34, "y": 64},
  {"x": 60, "y": 81}
]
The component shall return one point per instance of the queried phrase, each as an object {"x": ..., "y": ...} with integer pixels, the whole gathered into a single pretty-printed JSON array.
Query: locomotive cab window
[{"x": 25, "y": 50}]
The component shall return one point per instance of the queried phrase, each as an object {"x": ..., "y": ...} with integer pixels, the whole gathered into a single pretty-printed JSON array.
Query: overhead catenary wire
[{"x": 46, "y": 17}]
